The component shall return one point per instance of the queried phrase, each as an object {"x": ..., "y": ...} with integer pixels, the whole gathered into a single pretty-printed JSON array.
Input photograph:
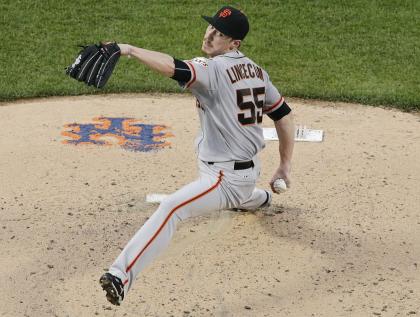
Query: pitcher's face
[{"x": 216, "y": 43}]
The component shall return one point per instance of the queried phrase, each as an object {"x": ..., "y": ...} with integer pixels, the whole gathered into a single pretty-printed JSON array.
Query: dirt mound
[{"x": 75, "y": 172}]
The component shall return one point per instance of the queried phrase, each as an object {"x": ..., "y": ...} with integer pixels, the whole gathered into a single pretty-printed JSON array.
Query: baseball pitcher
[{"x": 233, "y": 93}]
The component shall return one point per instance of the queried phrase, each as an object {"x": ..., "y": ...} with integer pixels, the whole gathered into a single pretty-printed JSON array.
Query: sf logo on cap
[{"x": 225, "y": 13}]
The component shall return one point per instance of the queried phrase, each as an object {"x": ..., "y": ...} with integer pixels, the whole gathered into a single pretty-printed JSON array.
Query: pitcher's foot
[{"x": 113, "y": 287}]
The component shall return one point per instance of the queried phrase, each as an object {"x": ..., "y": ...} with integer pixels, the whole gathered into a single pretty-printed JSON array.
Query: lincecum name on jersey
[{"x": 244, "y": 71}]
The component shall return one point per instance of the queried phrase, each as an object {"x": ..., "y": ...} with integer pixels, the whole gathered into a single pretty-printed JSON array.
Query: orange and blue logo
[{"x": 125, "y": 132}]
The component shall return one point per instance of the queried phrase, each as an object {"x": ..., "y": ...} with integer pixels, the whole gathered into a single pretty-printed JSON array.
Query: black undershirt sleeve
[
  {"x": 280, "y": 112},
  {"x": 182, "y": 72}
]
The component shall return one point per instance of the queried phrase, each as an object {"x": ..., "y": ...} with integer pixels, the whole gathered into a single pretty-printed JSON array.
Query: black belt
[{"x": 239, "y": 165}]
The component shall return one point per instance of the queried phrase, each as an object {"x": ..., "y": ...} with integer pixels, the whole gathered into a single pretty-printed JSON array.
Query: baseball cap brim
[
  {"x": 217, "y": 26},
  {"x": 208, "y": 19}
]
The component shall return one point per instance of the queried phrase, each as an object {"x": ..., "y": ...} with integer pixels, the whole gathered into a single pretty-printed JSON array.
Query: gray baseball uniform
[{"x": 232, "y": 95}]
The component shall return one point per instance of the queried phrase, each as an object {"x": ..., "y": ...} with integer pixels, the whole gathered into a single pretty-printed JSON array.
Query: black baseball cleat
[{"x": 113, "y": 287}]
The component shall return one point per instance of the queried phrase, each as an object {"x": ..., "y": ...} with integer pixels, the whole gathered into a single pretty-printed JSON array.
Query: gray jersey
[{"x": 232, "y": 95}]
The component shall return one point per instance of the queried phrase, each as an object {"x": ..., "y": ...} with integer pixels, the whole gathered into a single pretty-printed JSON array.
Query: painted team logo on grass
[{"x": 122, "y": 131}]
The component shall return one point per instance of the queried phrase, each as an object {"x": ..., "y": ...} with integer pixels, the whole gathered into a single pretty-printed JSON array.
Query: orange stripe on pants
[{"x": 167, "y": 219}]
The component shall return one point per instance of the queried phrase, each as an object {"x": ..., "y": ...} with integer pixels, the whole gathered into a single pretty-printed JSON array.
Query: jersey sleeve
[
  {"x": 275, "y": 106},
  {"x": 201, "y": 74}
]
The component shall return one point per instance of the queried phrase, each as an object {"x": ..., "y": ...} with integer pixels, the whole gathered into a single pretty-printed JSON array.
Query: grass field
[{"x": 360, "y": 50}]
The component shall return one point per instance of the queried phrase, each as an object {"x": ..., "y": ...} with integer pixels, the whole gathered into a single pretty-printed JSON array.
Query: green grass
[{"x": 362, "y": 51}]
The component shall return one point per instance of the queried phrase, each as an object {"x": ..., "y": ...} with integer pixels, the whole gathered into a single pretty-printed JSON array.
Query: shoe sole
[{"x": 111, "y": 292}]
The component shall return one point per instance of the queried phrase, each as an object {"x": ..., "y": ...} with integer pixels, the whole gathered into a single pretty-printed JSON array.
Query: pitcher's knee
[
  {"x": 170, "y": 206},
  {"x": 168, "y": 203}
]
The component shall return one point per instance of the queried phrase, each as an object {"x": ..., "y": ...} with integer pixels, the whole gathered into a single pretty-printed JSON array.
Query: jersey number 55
[{"x": 252, "y": 109}]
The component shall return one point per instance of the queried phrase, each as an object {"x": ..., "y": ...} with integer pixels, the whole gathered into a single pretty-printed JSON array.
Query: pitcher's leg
[
  {"x": 259, "y": 198},
  {"x": 153, "y": 237}
]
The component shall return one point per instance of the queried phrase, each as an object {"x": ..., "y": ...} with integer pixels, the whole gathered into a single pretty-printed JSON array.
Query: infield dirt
[{"x": 343, "y": 241}]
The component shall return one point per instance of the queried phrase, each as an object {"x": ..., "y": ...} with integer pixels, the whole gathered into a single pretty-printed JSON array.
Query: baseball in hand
[{"x": 280, "y": 185}]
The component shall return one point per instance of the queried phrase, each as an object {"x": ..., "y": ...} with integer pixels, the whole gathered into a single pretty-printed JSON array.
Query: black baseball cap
[{"x": 230, "y": 21}]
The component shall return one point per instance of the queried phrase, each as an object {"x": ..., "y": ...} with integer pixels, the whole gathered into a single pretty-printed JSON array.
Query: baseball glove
[{"x": 94, "y": 64}]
